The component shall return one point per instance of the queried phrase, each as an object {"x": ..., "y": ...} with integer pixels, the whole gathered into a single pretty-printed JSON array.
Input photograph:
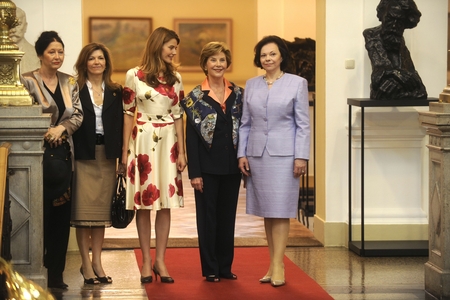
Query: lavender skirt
[{"x": 272, "y": 190}]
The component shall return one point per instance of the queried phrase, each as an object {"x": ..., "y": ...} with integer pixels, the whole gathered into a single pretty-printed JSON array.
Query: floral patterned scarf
[{"x": 203, "y": 116}]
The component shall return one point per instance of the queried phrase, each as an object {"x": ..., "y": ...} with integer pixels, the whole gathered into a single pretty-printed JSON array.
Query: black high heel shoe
[
  {"x": 230, "y": 276},
  {"x": 104, "y": 279},
  {"x": 164, "y": 279},
  {"x": 56, "y": 282},
  {"x": 147, "y": 279},
  {"x": 89, "y": 280},
  {"x": 212, "y": 278}
]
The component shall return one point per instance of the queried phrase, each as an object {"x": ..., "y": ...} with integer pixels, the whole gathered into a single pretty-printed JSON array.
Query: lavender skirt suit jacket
[{"x": 274, "y": 131}]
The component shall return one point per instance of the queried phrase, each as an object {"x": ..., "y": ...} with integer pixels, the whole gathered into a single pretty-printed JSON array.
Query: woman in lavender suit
[{"x": 274, "y": 139}]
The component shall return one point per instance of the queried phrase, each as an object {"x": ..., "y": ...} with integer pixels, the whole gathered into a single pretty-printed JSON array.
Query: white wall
[
  {"x": 63, "y": 17},
  {"x": 345, "y": 22},
  {"x": 344, "y": 40}
]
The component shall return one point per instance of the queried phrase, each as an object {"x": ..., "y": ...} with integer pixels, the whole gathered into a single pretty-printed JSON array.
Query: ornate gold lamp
[
  {"x": 20, "y": 288},
  {"x": 12, "y": 91},
  {"x": 444, "y": 97}
]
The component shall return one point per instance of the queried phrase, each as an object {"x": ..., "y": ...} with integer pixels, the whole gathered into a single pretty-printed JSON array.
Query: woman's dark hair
[
  {"x": 81, "y": 65},
  {"x": 45, "y": 39},
  {"x": 286, "y": 65},
  {"x": 151, "y": 61}
]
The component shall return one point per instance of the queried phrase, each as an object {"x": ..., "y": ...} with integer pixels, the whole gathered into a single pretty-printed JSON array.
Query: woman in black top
[
  {"x": 98, "y": 145},
  {"x": 57, "y": 93},
  {"x": 213, "y": 111}
]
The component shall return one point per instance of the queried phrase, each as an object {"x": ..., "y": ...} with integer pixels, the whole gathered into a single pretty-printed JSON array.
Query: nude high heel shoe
[{"x": 277, "y": 283}]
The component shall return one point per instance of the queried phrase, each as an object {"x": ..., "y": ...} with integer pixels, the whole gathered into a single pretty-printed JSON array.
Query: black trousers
[
  {"x": 56, "y": 237},
  {"x": 216, "y": 218}
]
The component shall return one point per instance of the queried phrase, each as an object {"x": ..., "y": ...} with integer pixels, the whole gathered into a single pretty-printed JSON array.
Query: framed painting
[
  {"x": 194, "y": 34},
  {"x": 124, "y": 37}
]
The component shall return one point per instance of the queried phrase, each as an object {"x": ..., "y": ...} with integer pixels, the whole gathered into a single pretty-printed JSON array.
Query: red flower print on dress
[
  {"x": 138, "y": 118},
  {"x": 150, "y": 195},
  {"x": 144, "y": 167},
  {"x": 131, "y": 171},
  {"x": 174, "y": 153},
  {"x": 181, "y": 94},
  {"x": 140, "y": 75},
  {"x": 169, "y": 91},
  {"x": 137, "y": 198},
  {"x": 156, "y": 125},
  {"x": 179, "y": 184},
  {"x": 175, "y": 100},
  {"x": 134, "y": 133},
  {"x": 171, "y": 190},
  {"x": 128, "y": 95}
]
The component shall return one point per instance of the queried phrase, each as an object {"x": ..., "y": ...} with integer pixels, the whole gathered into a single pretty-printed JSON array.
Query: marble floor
[{"x": 343, "y": 274}]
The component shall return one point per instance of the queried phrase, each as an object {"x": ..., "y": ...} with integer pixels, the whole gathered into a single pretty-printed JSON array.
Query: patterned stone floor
[{"x": 183, "y": 233}]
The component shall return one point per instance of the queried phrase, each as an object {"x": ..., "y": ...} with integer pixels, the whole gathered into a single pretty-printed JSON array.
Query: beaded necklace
[{"x": 271, "y": 82}]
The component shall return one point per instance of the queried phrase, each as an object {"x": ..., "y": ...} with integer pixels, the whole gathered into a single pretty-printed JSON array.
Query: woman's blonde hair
[
  {"x": 213, "y": 48},
  {"x": 152, "y": 62}
]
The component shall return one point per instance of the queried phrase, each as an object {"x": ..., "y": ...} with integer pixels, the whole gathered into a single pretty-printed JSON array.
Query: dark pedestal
[{"x": 377, "y": 248}]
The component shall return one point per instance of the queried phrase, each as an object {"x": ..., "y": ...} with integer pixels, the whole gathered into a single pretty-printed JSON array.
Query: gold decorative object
[
  {"x": 444, "y": 97},
  {"x": 20, "y": 288},
  {"x": 12, "y": 91}
]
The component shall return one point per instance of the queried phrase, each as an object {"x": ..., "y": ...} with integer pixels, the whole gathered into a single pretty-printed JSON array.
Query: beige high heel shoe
[{"x": 277, "y": 283}]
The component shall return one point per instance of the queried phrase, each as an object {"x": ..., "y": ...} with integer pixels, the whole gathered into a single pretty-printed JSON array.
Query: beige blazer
[{"x": 73, "y": 115}]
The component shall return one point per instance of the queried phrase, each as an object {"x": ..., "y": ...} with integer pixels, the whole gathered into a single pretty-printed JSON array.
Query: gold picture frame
[
  {"x": 124, "y": 37},
  {"x": 194, "y": 34}
]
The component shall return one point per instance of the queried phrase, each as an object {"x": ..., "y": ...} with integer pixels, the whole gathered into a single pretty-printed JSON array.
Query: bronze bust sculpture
[{"x": 393, "y": 72}]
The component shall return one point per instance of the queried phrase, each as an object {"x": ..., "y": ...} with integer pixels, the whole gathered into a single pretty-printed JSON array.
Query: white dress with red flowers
[{"x": 153, "y": 181}]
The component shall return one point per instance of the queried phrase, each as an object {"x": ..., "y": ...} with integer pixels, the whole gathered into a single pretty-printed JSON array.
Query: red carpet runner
[{"x": 249, "y": 265}]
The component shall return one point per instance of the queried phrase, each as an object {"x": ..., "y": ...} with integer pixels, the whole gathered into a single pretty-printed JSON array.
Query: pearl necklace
[{"x": 271, "y": 82}]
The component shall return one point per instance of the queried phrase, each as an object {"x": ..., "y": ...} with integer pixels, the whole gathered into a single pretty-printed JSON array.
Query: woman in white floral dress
[{"x": 153, "y": 148}]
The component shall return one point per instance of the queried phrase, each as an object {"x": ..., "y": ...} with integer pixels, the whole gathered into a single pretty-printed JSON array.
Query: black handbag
[
  {"x": 120, "y": 216},
  {"x": 57, "y": 172}
]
